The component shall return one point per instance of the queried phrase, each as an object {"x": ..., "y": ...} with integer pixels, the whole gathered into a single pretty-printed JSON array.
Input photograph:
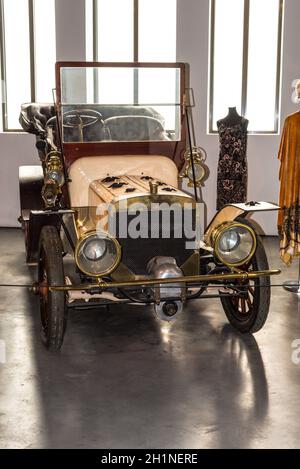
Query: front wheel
[
  {"x": 249, "y": 312},
  {"x": 52, "y": 303}
]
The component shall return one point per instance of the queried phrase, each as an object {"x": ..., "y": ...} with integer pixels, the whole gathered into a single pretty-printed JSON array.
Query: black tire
[
  {"x": 52, "y": 304},
  {"x": 249, "y": 316}
]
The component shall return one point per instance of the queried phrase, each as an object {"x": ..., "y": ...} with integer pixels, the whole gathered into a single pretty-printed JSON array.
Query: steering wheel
[{"x": 80, "y": 119}]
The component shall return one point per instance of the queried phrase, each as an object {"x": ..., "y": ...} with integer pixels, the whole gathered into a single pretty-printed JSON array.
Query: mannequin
[
  {"x": 289, "y": 176},
  {"x": 233, "y": 118},
  {"x": 232, "y": 168}
]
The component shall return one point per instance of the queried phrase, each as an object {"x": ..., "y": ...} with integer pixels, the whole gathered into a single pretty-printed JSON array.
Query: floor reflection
[
  {"x": 126, "y": 380},
  {"x": 245, "y": 398}
]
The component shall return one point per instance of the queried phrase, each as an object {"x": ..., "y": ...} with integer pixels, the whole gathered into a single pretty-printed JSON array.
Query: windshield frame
[{"x": 172, "y": 149}]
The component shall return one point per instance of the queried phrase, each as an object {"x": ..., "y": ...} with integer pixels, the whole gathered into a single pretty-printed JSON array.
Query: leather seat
[
  {"x": 135, "y": 128},
  {"x": 34, "y": 116},
  {"x": 142, "y": 122}
]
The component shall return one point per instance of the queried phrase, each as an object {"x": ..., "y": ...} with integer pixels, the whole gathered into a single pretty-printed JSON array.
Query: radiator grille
[{"x": 136, "y": 253}]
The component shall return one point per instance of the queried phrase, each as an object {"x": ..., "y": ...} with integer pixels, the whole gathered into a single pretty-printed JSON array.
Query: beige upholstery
[{"x": 86, "y": 170}]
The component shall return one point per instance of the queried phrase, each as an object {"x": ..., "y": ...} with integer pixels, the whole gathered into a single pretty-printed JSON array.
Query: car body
[{"x": 105, "y": 217}]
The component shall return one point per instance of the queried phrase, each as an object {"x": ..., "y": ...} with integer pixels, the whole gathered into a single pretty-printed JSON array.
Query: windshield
[{"x": 102, "y": 104}]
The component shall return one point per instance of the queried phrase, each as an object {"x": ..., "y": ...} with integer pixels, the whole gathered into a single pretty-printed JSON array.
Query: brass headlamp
[
  {"x": 234, "y": 243},
  {"x": 53, "y": 179},
  {"x": 97, "y": 254},
  {"x": 201, "y": 170}
]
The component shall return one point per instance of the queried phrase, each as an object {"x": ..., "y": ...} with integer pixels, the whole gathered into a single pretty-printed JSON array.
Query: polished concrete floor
[{"x": 125, "y": 380}]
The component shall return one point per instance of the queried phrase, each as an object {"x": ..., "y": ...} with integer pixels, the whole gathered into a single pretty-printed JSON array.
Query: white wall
[
  {"x": 70, "y": 29},
  {"x": 15, "y": 150},
  {"x": 193, "y": 47}
]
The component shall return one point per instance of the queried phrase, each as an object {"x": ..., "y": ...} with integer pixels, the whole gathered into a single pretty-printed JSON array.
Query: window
[
  {"x": 245, "y": 62},
  {"x": 131, "y": 30},
  {"x": 127, "y": 31},
  {"x": 157, "y": 31},
  {"x": 28, "y": 55}
]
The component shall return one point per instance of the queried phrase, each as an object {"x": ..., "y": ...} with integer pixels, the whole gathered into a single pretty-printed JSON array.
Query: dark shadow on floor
[{"x": 125, "y": 380}]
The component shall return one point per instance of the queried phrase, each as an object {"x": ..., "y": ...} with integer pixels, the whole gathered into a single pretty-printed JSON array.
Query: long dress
[
  {"x": 232, "y": 168},
  {"x": 289, "y": 176}
]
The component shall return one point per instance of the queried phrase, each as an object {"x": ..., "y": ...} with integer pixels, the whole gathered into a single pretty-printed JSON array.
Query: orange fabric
[{"x": 289, "y": 175}]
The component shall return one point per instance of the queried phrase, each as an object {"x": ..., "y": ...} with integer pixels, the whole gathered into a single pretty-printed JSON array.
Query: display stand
[{"x": 293, "y": 286}]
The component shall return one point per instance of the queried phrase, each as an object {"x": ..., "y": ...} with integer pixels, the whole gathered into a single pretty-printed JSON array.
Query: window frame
[
  {"x": 32, "y": 65},
  {"x": 95, "y": 54},
  {"x": 245, "y": 68},
  {"x": 95, "y": 7},
  {"x": 5, "y": 127}
]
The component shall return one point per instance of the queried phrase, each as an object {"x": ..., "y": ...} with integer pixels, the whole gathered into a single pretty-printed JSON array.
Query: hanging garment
[
  {"x": 289, "y": 176},
  {"x": 232, "y": 168}
]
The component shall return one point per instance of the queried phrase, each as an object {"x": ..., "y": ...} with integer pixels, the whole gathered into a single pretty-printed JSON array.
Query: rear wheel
[
  {"x": 249, "y": 312},
  {"x": 52, "y": 303}
]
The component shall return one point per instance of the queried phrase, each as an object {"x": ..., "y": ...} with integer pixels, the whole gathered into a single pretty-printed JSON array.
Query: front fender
[
  {"x": 232, "y": 211},
  {"x": 40, "y": 218}
]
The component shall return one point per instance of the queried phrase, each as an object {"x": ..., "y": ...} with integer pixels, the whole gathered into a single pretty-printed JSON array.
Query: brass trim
[
  {"x": 227, "y": 214},
  {"x": 180, "y": 198},
  {"x": 81, "y": 240},
  {"x": 192, "y": 265},
  {"x": 216, "y": 234},
  {"x": 161, "y": 281},
  {"x": 122, "y": 272}
]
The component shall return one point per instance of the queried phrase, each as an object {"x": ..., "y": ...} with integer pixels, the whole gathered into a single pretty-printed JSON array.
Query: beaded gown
[{"x": 232, "y": 169}]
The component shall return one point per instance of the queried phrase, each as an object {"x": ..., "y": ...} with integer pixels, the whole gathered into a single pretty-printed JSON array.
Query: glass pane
[
  {"x": 165, "y": 91},
  {"x": 262, "y": 64},
  {"x": 45, "y": 49},
  {"x": 145, "y": 107},
  {"x": 17, "y": 58},
  {"x": 228, "y": 57},
  {"x": 95, "y": 85},
  {"x": 157, "y": 30},
  {"x": 115, "y": 85},
  {"x": 115, "y": 30}
]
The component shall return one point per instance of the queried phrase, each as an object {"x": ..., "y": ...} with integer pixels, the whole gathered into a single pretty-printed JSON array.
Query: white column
[{"x": 70, "y": 30}]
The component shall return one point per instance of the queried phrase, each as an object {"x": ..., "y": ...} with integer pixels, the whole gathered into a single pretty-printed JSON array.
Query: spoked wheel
[
  {"x": 249, "y": 312},
  {"x": 52, "y": 303},
  {"x": 244, "y": 304}
]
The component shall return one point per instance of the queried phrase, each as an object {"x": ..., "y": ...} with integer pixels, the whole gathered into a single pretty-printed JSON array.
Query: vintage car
[{"x": 104, "y": 214}]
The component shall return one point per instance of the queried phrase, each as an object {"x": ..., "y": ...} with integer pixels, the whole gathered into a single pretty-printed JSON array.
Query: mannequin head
[
  {"x": 297, "y": 89},
  {"x": 233, "y": 118},
  {"x": 233, "y": 112},
  {"x": 296, "y": 94}
]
